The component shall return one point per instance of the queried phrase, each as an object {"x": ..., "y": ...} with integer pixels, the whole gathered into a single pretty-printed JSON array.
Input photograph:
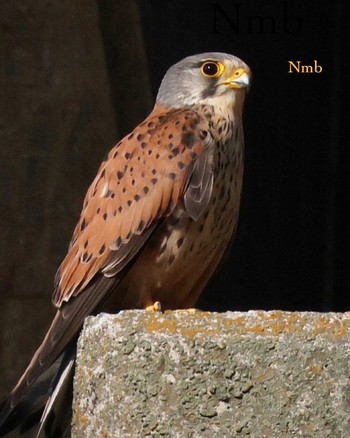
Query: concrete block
[{"x": 199, "y": 374}]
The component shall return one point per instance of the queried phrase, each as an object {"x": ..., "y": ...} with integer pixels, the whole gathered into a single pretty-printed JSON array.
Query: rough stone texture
[{"x": 197, "y": 374}]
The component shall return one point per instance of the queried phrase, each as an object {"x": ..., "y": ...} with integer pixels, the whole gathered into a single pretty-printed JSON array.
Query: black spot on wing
[{"x": 188, "y": 139}]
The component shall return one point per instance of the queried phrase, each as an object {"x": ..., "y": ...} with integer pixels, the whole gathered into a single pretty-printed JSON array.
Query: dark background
[{"x": 75, "y": 78}]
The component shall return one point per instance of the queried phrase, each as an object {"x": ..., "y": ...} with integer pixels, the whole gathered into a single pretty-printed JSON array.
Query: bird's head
[{"x": 210, "y": 78}]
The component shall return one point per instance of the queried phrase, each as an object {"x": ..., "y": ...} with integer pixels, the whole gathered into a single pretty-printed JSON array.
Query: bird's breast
[{"x": 182, "y": 254}]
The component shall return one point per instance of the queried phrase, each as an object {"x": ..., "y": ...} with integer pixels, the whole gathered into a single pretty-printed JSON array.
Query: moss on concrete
[{"x": 199, "y": 374}]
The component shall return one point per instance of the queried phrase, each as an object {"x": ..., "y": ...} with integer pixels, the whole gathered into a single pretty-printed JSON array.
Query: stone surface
[{"x": 197, "y": 374}]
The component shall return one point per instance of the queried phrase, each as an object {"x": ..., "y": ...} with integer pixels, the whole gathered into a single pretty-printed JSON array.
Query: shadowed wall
[{"x": 60, "y": 111}]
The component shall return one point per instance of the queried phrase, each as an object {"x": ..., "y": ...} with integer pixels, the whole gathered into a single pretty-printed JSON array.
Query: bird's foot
[{"x": 155, "y": 307}]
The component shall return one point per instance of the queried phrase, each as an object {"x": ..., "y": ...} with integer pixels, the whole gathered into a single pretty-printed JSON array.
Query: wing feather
[
  {"x": 144, "y": 178},
  {"x": 163, "y": 163}
]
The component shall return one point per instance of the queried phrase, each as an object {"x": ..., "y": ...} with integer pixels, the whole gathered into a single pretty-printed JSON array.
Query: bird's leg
[{"x": 155, "y": 307}]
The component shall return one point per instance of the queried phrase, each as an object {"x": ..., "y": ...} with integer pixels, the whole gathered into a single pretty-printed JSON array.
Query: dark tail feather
[
  {"x": 28, "y": 399},
  {"x": 35, "y": 414},
  {"x": 27, "y": 412},
  {"x": 57, "y": 415}
]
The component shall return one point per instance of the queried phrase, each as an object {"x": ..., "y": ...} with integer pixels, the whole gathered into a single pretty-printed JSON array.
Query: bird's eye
[{"x": 211, "y": 69}]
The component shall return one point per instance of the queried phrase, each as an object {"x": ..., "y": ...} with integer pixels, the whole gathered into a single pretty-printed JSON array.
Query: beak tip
[{"x": 243, "y": 81}]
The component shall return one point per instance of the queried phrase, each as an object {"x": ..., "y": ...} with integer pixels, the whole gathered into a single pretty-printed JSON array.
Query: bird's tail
[
  {"x": 57, "y": 415},
  {"x": 45, "y": 407},
  {"x": 50, "y": 364}
]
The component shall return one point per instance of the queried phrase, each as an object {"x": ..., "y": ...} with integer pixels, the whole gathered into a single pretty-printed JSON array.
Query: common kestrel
[{"x": 155, "y": 221}]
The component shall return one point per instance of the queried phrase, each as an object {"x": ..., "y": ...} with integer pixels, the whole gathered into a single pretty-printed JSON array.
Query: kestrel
[{"x": 155, "y": 221}]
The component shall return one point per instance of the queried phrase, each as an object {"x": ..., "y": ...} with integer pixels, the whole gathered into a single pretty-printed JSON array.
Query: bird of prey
[{"x": 155, "y": 223}]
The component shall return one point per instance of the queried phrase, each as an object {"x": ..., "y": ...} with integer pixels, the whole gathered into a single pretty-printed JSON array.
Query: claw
[{"x": 155, "y": 307}]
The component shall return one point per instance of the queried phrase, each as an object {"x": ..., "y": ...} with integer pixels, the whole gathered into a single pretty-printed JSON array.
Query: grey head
[{"x": 202, "y": 79}]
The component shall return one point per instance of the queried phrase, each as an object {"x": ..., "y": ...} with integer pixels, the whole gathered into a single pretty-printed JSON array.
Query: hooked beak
[{"x": 239, "y": 79}]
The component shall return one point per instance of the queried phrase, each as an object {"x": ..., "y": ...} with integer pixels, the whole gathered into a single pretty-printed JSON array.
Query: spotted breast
[{"x": 182, "y": 255}]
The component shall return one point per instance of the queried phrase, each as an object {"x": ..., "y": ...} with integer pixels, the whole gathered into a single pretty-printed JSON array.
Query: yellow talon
[{"x": 155, "y": 307}]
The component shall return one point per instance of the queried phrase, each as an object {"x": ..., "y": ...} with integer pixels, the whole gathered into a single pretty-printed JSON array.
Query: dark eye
[{"x": 212, "y": 69}]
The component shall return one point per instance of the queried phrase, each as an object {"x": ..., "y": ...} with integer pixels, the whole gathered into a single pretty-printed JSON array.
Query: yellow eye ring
[{"x": 212, "y": 69}]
